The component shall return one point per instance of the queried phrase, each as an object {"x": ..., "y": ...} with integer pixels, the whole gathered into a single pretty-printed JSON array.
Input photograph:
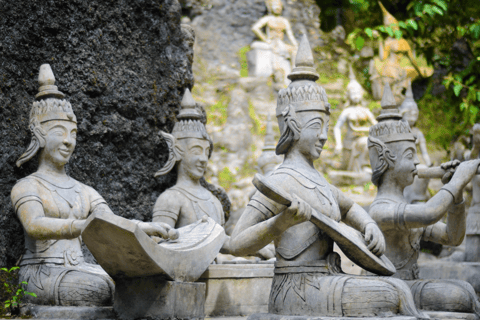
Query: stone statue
[
  {"x": 357, "y": 119},
  {"x": 391, "y": 53},
  {"x": 418, "y": 190},
  {"x": 191, "y": 197},
  {"x": 275, "y": 27},
  {"x": 472, "y": 241},
  {"x": 308, "y": 280},
  {"x": 394, "y": 161},
  {"x": 53, "y": 209}
]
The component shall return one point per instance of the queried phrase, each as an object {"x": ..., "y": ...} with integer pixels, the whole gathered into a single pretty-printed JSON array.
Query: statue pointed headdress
[
  {"x": 49, "y": 105},
  {"x": 390, "y": 128},
  {"x": 409, "y": 103},
  {"x": 302, "y": 94},
  {"x": 189, "y": 125},
  {"x": 353, "y": 85},
  {"x": 388, "y": 18}
]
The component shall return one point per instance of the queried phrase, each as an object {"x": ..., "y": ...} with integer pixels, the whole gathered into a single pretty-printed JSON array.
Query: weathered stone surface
[
  {"x": 267, "y": 316},
  {"x": 237, "y": 289},
  {"x": 51, "y": 312},
  {"x": 155, "y": 298},
  {"x": 124, "y": 66}
]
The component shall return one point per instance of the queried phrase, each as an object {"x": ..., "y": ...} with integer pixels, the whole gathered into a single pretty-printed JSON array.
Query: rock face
[{"x": 124, "y": 66}]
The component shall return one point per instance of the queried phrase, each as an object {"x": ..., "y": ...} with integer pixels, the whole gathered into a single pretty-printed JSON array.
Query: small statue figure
[
  {"x": 308, "y": 280},
  {"x": 472, "y": 242},
  {"x": 357, "y": 119},
  {"x": 394, "y": 161},
  {"x": 418, "y": 190},
  {"x": 53, "y": 209},
  {"x": 191, "y": 197},
  {"x": 276, "y": 26}
]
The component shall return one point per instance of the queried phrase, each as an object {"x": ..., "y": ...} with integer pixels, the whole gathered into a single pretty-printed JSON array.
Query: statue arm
[
  {"x": 428, "y": 213},
  {"x": 423, "y": 148},
  {"x": 290, "y": 35},
  {"x": 371, "y": 117},
  {"x": 258, "y": 226},
  {"x": 257, "y": 28},
  {"x": 167, "y": 208},
  {"x": 337, "y": 130},
  {"x": 451, "y": 233}
]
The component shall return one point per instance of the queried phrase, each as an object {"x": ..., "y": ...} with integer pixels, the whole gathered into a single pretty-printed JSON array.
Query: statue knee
[
  {"x": 442, "y": 296},
  {"x": 84, "y": 289}
]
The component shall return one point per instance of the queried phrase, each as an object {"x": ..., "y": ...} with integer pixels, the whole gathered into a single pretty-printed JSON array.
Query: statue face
[
  {"x": 405, "y": 166},
  {"x": 60, "y": 140},
  {"x": 276, "y": 7},
  {"x": 411, "y": 116},
  {"x": 195, "y": 157},
  {"x": 313, "y": 134},
  {"x": 355, "y": 96}
]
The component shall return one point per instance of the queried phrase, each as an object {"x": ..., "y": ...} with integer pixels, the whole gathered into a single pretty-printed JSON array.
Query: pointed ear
[
  {"x": 172, "y": 154},
  {"x": 39, "y": 133}
]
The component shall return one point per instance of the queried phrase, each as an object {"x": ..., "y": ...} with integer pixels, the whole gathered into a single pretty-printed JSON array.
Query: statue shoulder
[
  {"x": 171, "y": 198},
  {"x": 26, "y": 186}
]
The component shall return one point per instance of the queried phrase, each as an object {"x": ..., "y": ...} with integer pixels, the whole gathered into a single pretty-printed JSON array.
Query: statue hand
[
  {"x": 375, "y": 239},
  {"x": 298, "y": 212},
  {"x": 159, "y": 229},
  {"x": 267, "y": 252},
  {"x": 464, "y": 173},
  {"x": 449, "y": 167}
]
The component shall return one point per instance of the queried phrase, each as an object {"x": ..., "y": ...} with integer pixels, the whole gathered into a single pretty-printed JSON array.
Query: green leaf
[
  {"x": 14, "y": 268},
  {"x": 413, "y": 24},
  {"x": 398, "y": 34},
  {"x": 428, "y": 9},
  {"x": 457, "y": 88},
  {"x": 437, "y": 10},
  {"x": 472, "y": 96},
  {"x": 359, "y": 42},
  {"x": 382, "y": 28},
  {"x": 441, "y": 3},
  {"x": 4, "y": 269},
  {"x": 422, "y": 27},
  {"x": 470, "y": 80},
  {"x": 463, "y": 106},
  {"x": 31, "y": 293},
  {"x": 389, "y": 31},
  {"x": 475, "y": 30},
  {"x": 369, "y": 32},
  {"x": 402, "y": 24},
  {"x": 478, "y": 95},
  {"x": 7, "y": 305}
]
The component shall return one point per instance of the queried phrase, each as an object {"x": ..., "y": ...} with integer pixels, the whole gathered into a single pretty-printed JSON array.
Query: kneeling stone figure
[
  {"x": 394, "y": 161},
  {"x": 308, "y": 280},
  {"x": 53, "y": 208}
]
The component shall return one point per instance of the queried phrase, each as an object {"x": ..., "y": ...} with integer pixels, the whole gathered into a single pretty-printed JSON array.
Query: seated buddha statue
[
  {"x": 394, "y": 161},
  {"x": 53, "y": 207}
]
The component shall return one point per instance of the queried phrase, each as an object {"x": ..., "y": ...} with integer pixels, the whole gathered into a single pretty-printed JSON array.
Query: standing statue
[
  {"x": 389, "y": 65},
  {"x": 357, "y": 119},
  {"x": 418, "y": 190},
  {"x": 308, "y": 280},
  {"x": 53, "y": 209},
  {"x": 275, "y": 27},
  {"x": 394, "y": 161}
]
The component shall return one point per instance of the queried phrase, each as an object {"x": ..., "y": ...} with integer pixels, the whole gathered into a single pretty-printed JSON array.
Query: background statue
[
  {"x": 53, "y": 208},
  {"x": 308, "y": 279},
  {"x": 275, "y": 27},
  {"x": 357, "y": 119},
  {"x": 418, "y": 190},
  {"x": 393, "y": 156}
]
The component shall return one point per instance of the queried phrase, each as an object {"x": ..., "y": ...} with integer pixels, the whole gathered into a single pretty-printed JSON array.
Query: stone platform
[
  {"x": 268, "y": 316},
  {"x": 237, "y": 289},
  {"x": 54, "y": 312}
]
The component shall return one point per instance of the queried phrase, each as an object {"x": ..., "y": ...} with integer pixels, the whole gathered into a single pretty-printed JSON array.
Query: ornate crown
[{"x": 189, "y": 124}]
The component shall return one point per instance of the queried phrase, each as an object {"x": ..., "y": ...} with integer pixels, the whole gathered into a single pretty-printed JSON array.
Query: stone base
[
  {"x": 156, "y": 298},
  {"x": 237, "y": 289},
  {"x": 450, "y": 315},
  {"x": 268, "y": 316},
  {"x": 57, "y": 312},
  {"x": 466, "y": 271}
]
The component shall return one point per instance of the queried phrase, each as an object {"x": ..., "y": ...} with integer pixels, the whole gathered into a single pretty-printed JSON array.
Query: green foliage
[
  {"x": 12, "y": 291},
  {"x": 435, "y": 29},
  {"x": 242, "y": 56},
  {"x": 226, "y": 178},
  {"x": 217, "y": 113}
]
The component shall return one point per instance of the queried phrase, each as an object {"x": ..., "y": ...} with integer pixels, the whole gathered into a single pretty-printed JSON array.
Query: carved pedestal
[
  {"x": 157, "y": 298},
  {"x": 260, "y": 59}
]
